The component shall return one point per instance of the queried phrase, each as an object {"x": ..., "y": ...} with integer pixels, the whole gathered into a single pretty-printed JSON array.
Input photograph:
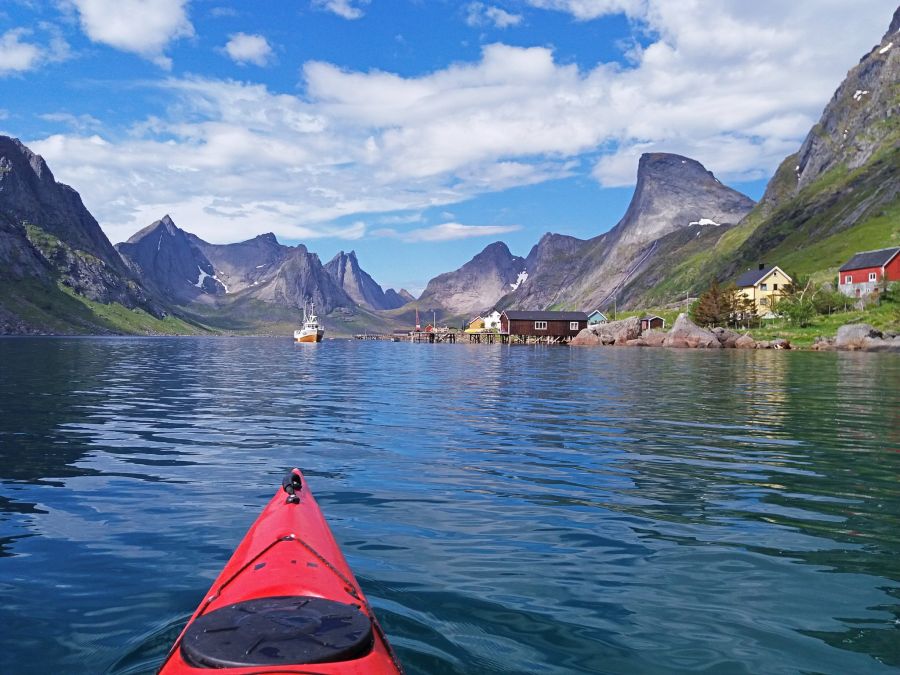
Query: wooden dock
[
  {"x": 452, "y": 337},
  {"x": 438, "y": 336}
]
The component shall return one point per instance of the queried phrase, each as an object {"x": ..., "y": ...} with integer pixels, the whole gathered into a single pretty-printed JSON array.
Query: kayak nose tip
[{"x": 292, "y": 484}]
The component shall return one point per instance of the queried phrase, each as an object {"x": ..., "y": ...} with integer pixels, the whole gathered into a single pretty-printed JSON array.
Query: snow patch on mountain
[{"x": 521, "y": 279}]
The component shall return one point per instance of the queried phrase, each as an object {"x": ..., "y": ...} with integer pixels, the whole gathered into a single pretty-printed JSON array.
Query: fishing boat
[
  {"x": 311, "y": 331},
  {"x": 286, "y": 602}
]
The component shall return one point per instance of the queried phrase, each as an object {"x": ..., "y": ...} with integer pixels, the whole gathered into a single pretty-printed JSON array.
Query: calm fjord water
[{"x": 507, "y": 510}]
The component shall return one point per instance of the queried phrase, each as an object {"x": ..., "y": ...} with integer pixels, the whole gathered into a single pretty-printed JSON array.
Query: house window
[
  {"x": 848, "y": 279},
  {"x": 774, "y": 287},
  {"x": 540, "y": 325},
  {"x": 573, "y": 325},
  {"x": 873, "y": 276},
  {"x": 763, "y": 302},
  {"x": 763, "y": 287}
]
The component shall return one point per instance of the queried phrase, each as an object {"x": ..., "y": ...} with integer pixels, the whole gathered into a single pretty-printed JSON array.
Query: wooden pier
[
  {"x": 433, "y": 337},
  {"x": 452, "y": 337}
]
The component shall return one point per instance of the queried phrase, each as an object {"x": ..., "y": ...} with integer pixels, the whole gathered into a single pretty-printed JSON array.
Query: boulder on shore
[
  {"x": 745, "y": 342},
  {"x": 854, "y": 336},
  {"x": 586, "y": 338},
  {"x": 726, "y": 337},
  {"x": 686, "y": 334},
  {"x": 823, "y": 344},
  {"x": 650, "y": 338},
  {"x": 614, "y": 332}
]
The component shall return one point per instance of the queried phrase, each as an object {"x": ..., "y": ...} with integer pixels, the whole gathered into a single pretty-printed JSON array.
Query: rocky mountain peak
[
  {"x": 30, "y": 193},
  {"x": 478, "y": 284},
  {"x": 496, "y": 252},
  {"x": 13, "y": 152},
  {"x": 665, "y": 166},
  {"x": 856, "y": 123},
  {"x": 673, "y": 192},
  {"x": 167, "y": 259},
  {"x": 344, "y": 268},
  {"x": 894, "y": 27}
]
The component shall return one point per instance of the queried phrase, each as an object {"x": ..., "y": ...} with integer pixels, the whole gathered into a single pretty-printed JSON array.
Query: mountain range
[{"x": 683, "y": 228}]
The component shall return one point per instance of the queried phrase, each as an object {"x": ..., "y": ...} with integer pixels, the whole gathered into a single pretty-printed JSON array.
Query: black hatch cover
[{"x": 284, "y": 630}]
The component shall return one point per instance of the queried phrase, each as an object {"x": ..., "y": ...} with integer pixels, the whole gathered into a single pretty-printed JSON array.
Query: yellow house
[
  {"x": 764, "y": 286},
  {"x": 476, "y": 325}
]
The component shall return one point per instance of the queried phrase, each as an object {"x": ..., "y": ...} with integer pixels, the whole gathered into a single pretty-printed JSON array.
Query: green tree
[
  {"x": 716, "y": 306},
  {"x": 798, "y": 302}
]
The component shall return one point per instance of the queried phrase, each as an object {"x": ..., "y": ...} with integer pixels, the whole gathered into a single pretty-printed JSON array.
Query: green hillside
[{"x": 812, "y": 233}]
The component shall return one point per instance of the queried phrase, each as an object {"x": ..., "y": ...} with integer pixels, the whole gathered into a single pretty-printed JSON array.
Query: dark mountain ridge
[
  {"x": 50, "y": 237},
  {"x": 477, "y": 285},
  {"x": 363, "y": 289},
  {"x": 672, "y": 193}
]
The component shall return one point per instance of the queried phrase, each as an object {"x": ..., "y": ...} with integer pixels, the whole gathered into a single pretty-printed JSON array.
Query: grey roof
[
  {"x": 545, "y": 316},
  {"x": 870, "y": 259},
  {"x": 651, "y": 316},
  {"x": 752, "y": 277}
]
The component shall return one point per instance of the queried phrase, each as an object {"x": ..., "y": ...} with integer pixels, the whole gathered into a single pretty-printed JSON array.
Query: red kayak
[{"x": 286, "y": 602}]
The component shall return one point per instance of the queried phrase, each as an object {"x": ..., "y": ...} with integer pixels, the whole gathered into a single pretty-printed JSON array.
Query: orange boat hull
[{"x": 312, "y": 337}]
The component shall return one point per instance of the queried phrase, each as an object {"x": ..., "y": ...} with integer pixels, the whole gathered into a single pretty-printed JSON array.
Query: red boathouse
[
  {"x": 550, "y": 327},
  {"x": 864, "y": 272}
]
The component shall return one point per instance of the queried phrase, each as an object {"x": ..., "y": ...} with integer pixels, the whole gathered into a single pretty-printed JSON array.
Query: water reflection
[{"x": 506, "y": 509}]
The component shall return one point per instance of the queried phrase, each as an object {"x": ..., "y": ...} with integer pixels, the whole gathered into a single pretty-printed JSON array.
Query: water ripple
[{"x": 507, "y": 510}]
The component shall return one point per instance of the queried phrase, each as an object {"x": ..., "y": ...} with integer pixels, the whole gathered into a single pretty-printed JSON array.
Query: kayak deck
[{"x": 285, "y": 602}]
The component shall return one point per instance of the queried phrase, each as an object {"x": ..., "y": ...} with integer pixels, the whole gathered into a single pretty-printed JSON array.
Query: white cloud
[
  {"x": 584, "y": 10},
  {"x": 480, "y": 14},
  {"x": 733, "y": 87},
  {"x": 80, "y": 123},
  {"x": 18, "y": 55},
  {"x": 143, "y": 27},
  {"x": 343, "y": 8},
  {"x": 243, "y": 48},
  {"x": 223, "y": 12},
  {"x": 447, "y": 232}
]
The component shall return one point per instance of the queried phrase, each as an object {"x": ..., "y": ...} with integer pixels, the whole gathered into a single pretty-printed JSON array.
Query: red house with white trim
[{"x": 864, "y": 272}]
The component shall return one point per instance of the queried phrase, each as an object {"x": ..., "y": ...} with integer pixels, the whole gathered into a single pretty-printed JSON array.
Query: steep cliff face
[
  {"x": 19, "y": 259},
  {"x": 167, "y": 260},
  {"x": 299, "y": 278},
  {"x": 60, "y": 232},
  {"x": 363, "y": 290},
  {"x": 266, "y": 270},
  {"x": 845, "y": 175},
  {"x": 477, "y": 285},
  {"x": 861, "y": 115},
  {"x": 672, "y": 193},
  {"x": 840, "y": 189},
  {"x": 246, "y": 264}
]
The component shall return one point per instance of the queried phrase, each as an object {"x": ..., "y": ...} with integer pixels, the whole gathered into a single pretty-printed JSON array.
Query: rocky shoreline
[{"x": 685, "y": 334}]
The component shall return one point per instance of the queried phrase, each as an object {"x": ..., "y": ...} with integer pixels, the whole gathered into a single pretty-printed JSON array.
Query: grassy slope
[
  {"x": 57, "y": 309},
  {"x": 822, "y": 259},
  {"x": 883, "y": 317},
  {"x": 809, "y": 234}
]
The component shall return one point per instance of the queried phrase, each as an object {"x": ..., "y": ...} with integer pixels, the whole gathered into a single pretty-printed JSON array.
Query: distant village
[{"x": 758, "y": 291}]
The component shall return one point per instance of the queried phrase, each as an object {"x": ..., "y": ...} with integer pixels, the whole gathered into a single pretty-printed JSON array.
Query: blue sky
[{"x": 415, "y": 132}]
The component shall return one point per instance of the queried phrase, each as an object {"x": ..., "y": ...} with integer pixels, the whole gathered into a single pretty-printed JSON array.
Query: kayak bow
[{"x": 286, "y": 602}]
